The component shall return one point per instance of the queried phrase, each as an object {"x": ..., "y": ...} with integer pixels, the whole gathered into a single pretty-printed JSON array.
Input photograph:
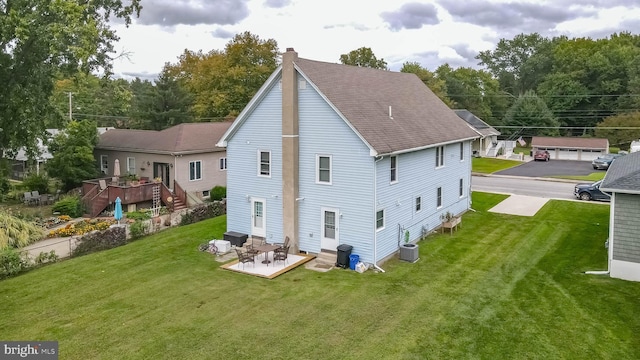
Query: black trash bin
[{"x": 344, "y": 251}]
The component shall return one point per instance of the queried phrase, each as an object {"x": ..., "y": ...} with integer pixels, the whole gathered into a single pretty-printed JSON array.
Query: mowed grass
[
  {"x": 501, "y": 287},
  {"x": 593, "y": 177},
  {"x": 488, "y": 165}
]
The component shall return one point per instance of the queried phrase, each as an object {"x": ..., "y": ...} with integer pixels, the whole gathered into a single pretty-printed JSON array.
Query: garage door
[
  {"x": 588, "y": 155},
  {"x": 568, "y": 154}
]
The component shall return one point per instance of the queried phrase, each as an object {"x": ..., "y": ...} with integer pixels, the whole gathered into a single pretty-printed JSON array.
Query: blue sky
[{"x": 431, "y": 32}]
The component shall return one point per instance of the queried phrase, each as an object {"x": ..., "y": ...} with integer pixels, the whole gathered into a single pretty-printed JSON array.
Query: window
[
  {"x": 439, "y": 198},
  {"x": 394, "y": 169},
  {"x": 206, "y": 193},
  {"x": 329, "y": 225},
  {"x": 380, "y": 220},
  {"x": 131, "y": 165},
  {"x": 440, "y": 156},
  {"x": 418, "y": 203},
  {"x": 461, "y": 151},
  {"x": 223, "y": 163},
  {"x": 461, "y": 190},
  {"x": 104, "y": 164},
  {"x": 195, "y": 170},
  {"x": 323, "y": 166},
  {"x": 264, "y": 161}
]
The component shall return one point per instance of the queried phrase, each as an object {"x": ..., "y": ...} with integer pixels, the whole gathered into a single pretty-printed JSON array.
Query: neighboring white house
[
  {"x": 623, "y": 182},
  {"x": 331, "y": 154},
  {"x": 571, "y": 148},
  {"x": 487, "y": 142}
]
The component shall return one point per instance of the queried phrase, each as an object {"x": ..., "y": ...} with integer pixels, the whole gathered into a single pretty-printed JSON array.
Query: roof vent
[{"x": 390, "y": 113}]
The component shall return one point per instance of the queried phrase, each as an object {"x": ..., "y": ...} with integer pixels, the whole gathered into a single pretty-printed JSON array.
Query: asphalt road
[
  {"x": 524, "y": 186},
  {"x": 550, "y": 168}
]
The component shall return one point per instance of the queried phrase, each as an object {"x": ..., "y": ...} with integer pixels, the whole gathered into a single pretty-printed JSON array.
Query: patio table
[{"x": 266, "y": 248}]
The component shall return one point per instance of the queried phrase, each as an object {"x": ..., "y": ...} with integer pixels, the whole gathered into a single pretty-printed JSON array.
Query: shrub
[
  {"x": 69, "y": 205},
  {"x": 46, "y": 257},
  {"x": 37, "y": 182},
  {"x": 202, "y": 212},
  {"x": 98, "y": 241},
  {"x": 218, "y": 193},
  {"x": 138, "y": 229},
  {"x": 139, "y": 215},
  {"x": 11, "y": 263}
]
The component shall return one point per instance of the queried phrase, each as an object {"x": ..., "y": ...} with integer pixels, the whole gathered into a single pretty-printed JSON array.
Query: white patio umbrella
[{"x": 116, "y": 168}]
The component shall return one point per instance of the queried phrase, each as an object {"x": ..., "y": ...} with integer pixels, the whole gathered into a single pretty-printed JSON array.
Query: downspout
[
  {"x": 375, "y": 206},
  {"x": 609, "y": 245}
]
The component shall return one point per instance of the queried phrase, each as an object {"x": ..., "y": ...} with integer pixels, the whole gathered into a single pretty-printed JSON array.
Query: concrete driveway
[{"x": 550, "y": 168}]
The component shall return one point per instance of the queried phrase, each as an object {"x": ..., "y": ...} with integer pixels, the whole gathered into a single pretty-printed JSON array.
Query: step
[{"x": 327, "y": 257}]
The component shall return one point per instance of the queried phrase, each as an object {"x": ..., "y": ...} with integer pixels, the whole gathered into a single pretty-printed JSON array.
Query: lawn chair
[
  {"x": 28, "y": 200},
  {"x": 282, "y": 255},
  {"x": 244, "y": 257},
  {"x": 251, "y": 248},
  {"x": 284, "y": 247},
  {"x": 35, "y": 197},
  {"x": 44, "y": 199}
]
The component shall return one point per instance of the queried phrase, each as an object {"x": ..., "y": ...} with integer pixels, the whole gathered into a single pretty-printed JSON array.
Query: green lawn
[
  {"x": 501, "y": 287},
  {"x": 487, "y": 165},
  {"x": 593, "y": 177}
]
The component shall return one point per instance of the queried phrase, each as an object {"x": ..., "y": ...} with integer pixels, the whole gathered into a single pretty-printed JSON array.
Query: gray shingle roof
[
  {"x": 179, "y": 139},
  {"x": 570, "y": 142},
  {"x": 476, "y": 123},
  {"x": 623, "y": 175},
  {"x": 363, "y": 96}
]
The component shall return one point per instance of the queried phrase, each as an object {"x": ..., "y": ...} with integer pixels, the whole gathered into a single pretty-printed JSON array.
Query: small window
[
  {"x": 264, "y": 161},
  {"x": 323, "y": 166},
  {"x": 380, "y": 219},
  {"x": 461, "y": 151},
  {"x": 205, "y": 193},
  {"x": 439, "y": 156},
  {"x": 104, "y": 164},
  {"x": 195, "y": 170},
  {"x": 223, "y": 163},
  {"x": 131, "y": 165},
  {"x": 394, "y": 169},
  {"x": 418, "y": 203},
  {"x": 439, "y": 198},
  {"x": 461, "y": 190}
]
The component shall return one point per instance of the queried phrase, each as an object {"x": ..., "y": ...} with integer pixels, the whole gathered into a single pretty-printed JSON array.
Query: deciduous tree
[
  {"x": 363, "y": 57},
  {"x": 530, "y": 111},
  {"x": 72, "y": 151}
]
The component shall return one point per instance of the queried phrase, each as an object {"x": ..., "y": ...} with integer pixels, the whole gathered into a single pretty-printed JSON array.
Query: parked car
[
  {"x": 541, "y": 155},
  {"x": 591, "y": 192},
  {"x": 603, "y": 162}
]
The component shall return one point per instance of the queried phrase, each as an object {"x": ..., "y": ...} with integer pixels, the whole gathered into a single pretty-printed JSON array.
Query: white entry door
[
  {"x": 258, "y": 217},
  {"x": 330, "y": 229}
]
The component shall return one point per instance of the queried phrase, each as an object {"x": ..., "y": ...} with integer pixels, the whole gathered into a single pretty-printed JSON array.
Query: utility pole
[{"x": 70, "y": 106}]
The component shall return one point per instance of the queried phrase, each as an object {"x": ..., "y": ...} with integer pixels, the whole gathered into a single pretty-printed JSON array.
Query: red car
[{"x": 541, "y": 155}]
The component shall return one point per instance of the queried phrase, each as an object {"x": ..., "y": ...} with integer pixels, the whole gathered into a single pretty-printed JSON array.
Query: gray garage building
[{"x": 571, "y": 148}]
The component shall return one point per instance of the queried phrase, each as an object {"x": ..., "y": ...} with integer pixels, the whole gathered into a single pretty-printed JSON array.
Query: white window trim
[
  {"x": 131, "y": 160},
  {"x": 439, "y": 206},
  {"x": 461, "y": 187},
  {"x": 260, "y": 163},
  {"x": 104, "y": 164},
  {"x": 396, "y": 169},
  {"x": 195, "y": 174},
  {"x": 220, "y": 161},
  {"x": 330, "y": 182},
  {"x": 462, "y": 152},
  {"x": 415, "y": 203},
  {"x": 384, "y": 222},
  {"x": 440, "y": 164}
]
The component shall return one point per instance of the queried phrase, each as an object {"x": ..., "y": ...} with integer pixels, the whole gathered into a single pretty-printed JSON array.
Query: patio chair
[
  {"x": 35, "y": 196},
  {"x": 244, "y": 257},
  {"x": 284, "y": 247},
  {"x": 281, "y": 255},
  {"x": 251, "y": 248},
  {"x": 44, "y": 199},
  {"x": 28, "y": 200}
]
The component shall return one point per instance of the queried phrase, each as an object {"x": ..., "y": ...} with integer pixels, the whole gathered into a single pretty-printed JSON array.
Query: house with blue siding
[
  {"x": 623, "y": 182},
  {"x": 330, "y": 154}
]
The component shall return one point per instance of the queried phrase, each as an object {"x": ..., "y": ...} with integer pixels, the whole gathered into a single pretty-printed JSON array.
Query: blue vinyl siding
[
  {"x": 262, "y": 130},
  {"x": 418, "y": 176},
  {"x": 322, "y": 131}
]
